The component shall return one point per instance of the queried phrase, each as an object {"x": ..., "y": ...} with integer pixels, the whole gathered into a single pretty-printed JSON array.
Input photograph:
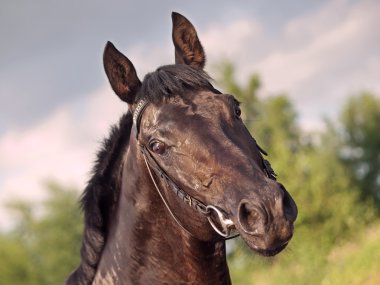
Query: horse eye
[
  {"x": 237, "y": 111},
  {"x": 157, "y": 147}
]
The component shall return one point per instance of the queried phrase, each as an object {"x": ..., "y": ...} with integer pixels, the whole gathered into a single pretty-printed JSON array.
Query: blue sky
[{"x": 56, "y": 105}]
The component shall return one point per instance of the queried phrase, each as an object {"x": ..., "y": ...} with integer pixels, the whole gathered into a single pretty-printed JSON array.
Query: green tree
[
  {"x": 247, "y": 94},
  {"x": 15, "y": 263},
  {"x": 359, "y": 131},
  {"x": 44, "y": 246}
]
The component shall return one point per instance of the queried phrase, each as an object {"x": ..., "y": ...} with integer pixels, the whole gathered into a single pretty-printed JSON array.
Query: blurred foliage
[
  {"x": 359, "y": 133},
  {"x": 333, "y": 175},
  {"x": 357, "y": 261},
  {"x": 43, "y": 248}
]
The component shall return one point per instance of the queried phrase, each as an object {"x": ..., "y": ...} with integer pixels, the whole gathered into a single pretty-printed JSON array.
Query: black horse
[{"x": 178, "y": 176}]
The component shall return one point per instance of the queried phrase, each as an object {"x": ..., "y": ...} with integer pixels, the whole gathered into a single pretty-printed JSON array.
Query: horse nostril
[
  {"x": 251, "y": 218},
  {"x": 289, "y": 206}
]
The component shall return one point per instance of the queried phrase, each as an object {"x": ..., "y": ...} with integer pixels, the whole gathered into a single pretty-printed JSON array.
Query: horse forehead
[
  {"x": 192, "y": 111},
  {"x": 200, "y": 104},
  {"x": 206, "y": 99}
]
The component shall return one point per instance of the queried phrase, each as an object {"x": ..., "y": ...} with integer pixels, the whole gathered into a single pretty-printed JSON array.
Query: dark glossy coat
[{"x": 197, "y": 137}]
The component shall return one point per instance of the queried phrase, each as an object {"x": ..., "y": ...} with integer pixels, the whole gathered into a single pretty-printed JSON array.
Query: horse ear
[
  {"x": 188, "y": 48},
  {"x": 121, "y": 74}
]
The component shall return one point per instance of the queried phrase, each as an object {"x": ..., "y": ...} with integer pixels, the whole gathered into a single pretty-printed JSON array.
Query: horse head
[{"x": 208, "y": 169}]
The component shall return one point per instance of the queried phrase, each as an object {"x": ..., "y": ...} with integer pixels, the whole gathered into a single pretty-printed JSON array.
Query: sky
[{"x": 56, "y": 103}]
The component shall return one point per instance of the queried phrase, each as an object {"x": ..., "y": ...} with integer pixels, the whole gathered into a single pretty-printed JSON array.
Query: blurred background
[{"x": 307, "y": 74}]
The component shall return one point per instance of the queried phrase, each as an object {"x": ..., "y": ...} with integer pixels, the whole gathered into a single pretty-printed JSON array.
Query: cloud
[
  {"x": 328, "y": 50},
  {"x": 320, "y": 71},
  {"x": 318, "y": 58},
  {"x": 228, "y": 41},
  {"x": 62, "y": 147}
]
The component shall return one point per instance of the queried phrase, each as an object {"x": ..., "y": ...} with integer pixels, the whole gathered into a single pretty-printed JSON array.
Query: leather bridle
[{"x": 228, "y": 229}]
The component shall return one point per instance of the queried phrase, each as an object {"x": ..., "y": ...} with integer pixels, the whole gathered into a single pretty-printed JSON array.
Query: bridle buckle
[{"x": 188, "y": 200}]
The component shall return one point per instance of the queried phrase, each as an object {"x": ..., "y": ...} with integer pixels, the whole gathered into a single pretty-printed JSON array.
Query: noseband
[{"x": 228, "y": 230}]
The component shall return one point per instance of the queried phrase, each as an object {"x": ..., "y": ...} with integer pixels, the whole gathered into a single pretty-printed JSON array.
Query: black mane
[
  {"x": 99, "y": 199},
  {"x": 102, "y": 192}
]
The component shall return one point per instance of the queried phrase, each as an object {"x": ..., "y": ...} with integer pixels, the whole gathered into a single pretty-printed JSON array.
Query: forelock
[{"x": 173, "y": 80}]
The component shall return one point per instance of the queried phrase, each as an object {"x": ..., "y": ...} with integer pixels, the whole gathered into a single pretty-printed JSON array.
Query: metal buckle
[{"x": 187, "y": 199}]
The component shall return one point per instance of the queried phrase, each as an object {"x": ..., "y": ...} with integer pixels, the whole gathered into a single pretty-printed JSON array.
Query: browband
[{"x": 137, "y": 115}]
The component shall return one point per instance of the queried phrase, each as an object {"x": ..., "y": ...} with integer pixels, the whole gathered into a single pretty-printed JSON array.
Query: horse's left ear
[
  {"x": 121, "y": 73},
  {"x": 188, "y": 48}
]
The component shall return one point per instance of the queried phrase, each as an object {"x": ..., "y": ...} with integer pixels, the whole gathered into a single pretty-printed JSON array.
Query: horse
[{"x": 178, "y": 175}]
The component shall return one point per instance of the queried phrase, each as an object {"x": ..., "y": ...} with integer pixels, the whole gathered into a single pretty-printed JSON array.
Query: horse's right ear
[
  {"x": 121, "y": 74},
  {"x": 188, "y": 48}
]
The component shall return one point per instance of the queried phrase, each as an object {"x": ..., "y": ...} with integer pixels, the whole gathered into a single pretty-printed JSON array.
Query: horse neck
[{"x": 146, "y": 246}]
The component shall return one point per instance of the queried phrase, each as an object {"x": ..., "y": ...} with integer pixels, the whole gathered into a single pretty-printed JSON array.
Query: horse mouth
[
  {"x": 267, "y": 251},
  {"x": 271, "y": 251}
]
